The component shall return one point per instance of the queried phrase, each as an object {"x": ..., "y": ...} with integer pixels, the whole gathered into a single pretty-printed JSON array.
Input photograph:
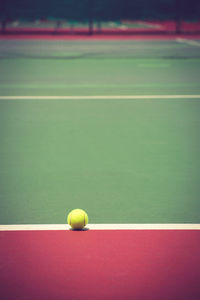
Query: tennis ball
[{"x": 77, "y": 219}]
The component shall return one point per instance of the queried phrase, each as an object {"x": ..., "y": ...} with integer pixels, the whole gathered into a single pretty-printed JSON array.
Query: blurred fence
[{"x": 100, "y": 16}]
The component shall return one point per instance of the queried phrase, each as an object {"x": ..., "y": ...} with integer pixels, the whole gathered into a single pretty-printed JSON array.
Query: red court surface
[
  {"x": 96, "y": 37},
  {"x": 100, "y": 264}
]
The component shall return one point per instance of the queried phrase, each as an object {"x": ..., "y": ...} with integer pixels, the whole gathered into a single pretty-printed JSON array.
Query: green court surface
[
  {"x": 123, "y": 161},
  {"x": 99, "y": 67},
  {"x": 97, "y": 77}
]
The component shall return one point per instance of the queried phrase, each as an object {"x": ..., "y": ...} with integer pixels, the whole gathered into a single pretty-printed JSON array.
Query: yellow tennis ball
[{"x": 77, "y": 218}]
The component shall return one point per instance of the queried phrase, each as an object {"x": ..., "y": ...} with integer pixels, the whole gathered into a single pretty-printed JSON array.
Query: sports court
[{"x": 110, "y": 124}]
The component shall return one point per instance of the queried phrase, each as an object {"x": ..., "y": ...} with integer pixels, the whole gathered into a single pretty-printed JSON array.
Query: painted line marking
[
  {"x": 102, "y": 227},
  {"x": 188, "y": 42},
  {"x": 111, "y": 97}
]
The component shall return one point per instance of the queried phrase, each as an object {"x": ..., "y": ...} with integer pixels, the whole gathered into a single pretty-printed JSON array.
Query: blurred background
[{"x": 100, "y": 16}]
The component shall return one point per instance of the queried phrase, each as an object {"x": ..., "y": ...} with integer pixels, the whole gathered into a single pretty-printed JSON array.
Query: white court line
[
  {"x": 188, "y": 42},
  {"x": 113, "y": 97},
  {"x": 102, "y": 227}
]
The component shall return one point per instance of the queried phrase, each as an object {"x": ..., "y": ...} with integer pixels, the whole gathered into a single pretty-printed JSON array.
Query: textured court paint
[
  {"x": 116, "y": 76},
  {"x": 125, "y": 161},
  {"x": 101, "y": 265}
]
